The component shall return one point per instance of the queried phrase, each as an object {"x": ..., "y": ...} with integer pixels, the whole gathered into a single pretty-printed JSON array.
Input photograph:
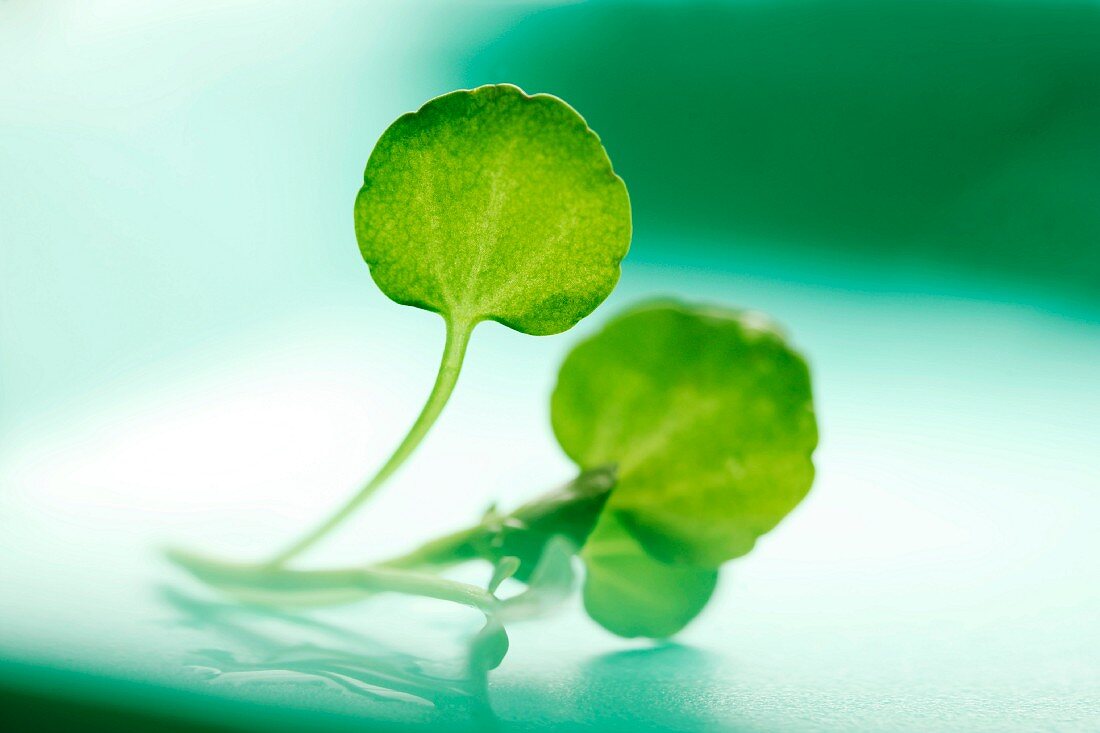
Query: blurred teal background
[{"x": 191, "y": 350}]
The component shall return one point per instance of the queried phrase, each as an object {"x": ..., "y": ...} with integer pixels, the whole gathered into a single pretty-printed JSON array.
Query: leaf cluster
[{"x": 692, "y": 427}]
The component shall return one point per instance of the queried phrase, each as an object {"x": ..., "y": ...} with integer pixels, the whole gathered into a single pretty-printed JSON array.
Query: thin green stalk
[
  {"x": 265, "y": 583},
  {"x": 458, "y": 336},
  {"x": 440, "y": 553},
  {"x": 570, "y": 509}
]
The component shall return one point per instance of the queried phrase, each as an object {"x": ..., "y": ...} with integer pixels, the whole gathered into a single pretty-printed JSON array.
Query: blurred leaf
[
  {"x": 548, "y": 585},
  {"x": 488, "y": 648},
  {"x": 630, "y": 594},
  {"x": 708, "y": 415}
]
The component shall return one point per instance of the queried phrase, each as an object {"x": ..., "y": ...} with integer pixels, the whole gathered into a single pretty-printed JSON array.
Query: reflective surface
[{"x": 939, "y": 574}]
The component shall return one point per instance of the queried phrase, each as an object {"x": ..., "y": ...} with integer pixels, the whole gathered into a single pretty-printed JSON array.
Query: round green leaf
[
  {"x": 631, "y": 594},
  {"x": 490, "y": 204},
  {"x": 708, "y": 415}
]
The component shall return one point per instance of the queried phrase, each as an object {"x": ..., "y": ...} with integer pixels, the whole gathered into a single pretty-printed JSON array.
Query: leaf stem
[
  {"x": 458, "y": 336},
  {"x": 440, "y": 553},
  {"x": 570, "y": 510},
  {"x": 265, "y": 583}
]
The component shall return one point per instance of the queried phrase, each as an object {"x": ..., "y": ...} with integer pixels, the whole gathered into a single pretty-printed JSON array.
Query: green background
[{"x": 191, "y": 352}]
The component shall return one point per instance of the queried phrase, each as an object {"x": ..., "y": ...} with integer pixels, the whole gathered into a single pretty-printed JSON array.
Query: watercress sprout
[
  {"x": 692, "y": 426},
  {"x": 486, "y": 204},
  {"x": 694, "y": 429}
]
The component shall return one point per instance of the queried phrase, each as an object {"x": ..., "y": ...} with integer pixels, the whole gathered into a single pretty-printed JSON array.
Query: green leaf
[
  {"x": 708, "y": 415},
  {"x": 505, "y": 568},
  {"x": 485, "y": 205},
  {"x": 490, "y": 204},
  {"x": 630, "y": 594}
]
